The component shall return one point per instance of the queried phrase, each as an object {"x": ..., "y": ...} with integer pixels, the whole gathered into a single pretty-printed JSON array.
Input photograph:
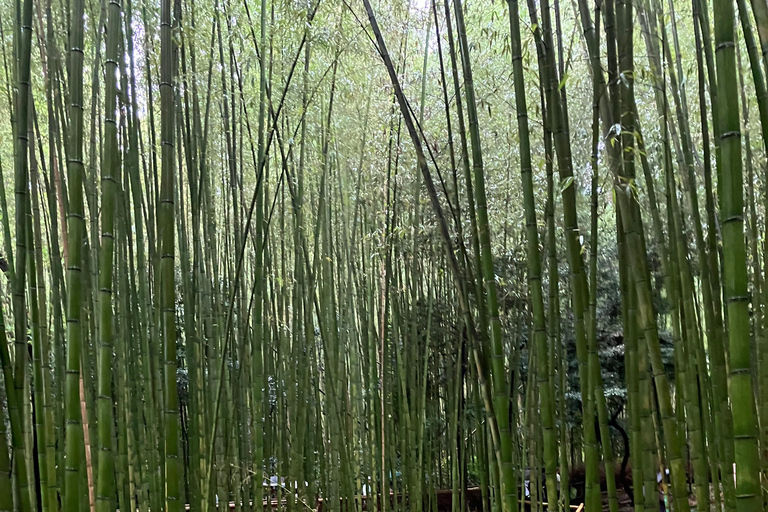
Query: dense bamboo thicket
[{"x": 388, "y": 255}]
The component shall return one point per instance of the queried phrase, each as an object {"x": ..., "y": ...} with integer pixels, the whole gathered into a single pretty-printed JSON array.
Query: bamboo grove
[{"x": 361, "y": 255}]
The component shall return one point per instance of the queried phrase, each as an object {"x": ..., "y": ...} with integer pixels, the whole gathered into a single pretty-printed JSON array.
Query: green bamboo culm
[
  {"x": 546, "y": 394},
  {"x": 73, "y": 440},
  {"x": 21, "y": 457},
  {"x": 166, "y": 223},
  {"x": 747, "y": 455},
  {"x": 486, "y": 275},
  {"x": 105, "y": 478},
  {"x": 21, "y": 195}
]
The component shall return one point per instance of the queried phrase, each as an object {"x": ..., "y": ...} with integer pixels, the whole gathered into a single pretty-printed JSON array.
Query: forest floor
[{"x": 625, "y": 503}]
